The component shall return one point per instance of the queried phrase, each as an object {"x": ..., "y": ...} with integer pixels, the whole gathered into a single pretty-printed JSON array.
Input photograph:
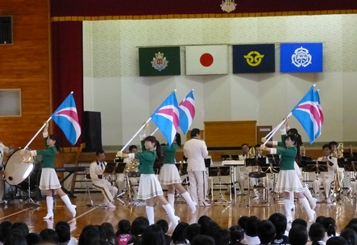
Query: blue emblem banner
[{"x": 301, "y": 57}]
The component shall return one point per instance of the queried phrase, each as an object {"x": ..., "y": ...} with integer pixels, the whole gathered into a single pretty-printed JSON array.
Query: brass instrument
[
  {"x": 337, "y": 182},
  {"x": 339, "y": 152},
  {"x": 251, "y": 153},
  {"x": 131, "y": 166}
]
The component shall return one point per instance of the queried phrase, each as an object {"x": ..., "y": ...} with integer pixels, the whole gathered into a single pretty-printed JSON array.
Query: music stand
[
  {"x": 220, "y": 171},
  {"x": 341, "y": 162},
  {"x": 119, "y": 169},
  {"x": 208, "y": 162},
  {"x": 235, "y": 157},
  {"x": 274, "y": 159}
]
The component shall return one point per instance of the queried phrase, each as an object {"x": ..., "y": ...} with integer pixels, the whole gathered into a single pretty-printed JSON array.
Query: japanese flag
[{"x": 206, "y": 60}]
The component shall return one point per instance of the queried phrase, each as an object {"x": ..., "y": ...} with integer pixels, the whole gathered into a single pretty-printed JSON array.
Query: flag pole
[
  {"x": 44, "y": 125},
  {"x": 276, "y": 129},
  {"x": 141, "y": 128},
  {"x": 154, "y": 131}
]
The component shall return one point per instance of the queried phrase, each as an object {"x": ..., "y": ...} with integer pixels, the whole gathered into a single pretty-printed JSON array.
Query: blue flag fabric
[
  {"x": 301, "y": 57},
  {"x": 166, "y": 117},
  {"x": 187, "y": 109},
  {"x": 66, "y": 117},
  {"x": 308, "y": 112}
]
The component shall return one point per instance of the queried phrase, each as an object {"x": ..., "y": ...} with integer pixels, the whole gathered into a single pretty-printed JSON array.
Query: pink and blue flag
[
  {"x": 166, "y": 117},
  {"x": 309, "y": 113},
  {"x": 187, "y": 109},
  {"x": 66, "y": 117}
]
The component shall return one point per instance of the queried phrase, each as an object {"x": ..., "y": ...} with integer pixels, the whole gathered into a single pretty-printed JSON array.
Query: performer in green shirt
[
  {"x": 170, "y": 176},
  {"x": 288, "y": 180},
  {"x": 149, "y": 186},
  {"x": 49, "y": 179}
]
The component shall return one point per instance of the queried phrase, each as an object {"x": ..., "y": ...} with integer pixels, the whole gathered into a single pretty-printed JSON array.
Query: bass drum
[{"x": 22, "y": 173}]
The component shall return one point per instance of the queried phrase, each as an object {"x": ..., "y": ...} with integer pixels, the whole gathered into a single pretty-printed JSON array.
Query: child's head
[
  {"x": 124, "y": 226},
  {"x": 266, "y": 231},
  {"x": 280, "y": 223}
]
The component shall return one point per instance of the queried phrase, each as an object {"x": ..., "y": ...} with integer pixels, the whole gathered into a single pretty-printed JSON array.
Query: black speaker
[
  {"x": 92, "y": 131},
  {"x": 5, "y": 29}
]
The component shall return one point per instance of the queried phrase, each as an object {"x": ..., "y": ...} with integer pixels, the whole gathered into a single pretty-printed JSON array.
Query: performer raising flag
[
  {"x": 66, "y": 118},
  {"x": 309, "y": 113},
  {"x": 166, "y": 117},
  {"x": 187, "y": 109}
]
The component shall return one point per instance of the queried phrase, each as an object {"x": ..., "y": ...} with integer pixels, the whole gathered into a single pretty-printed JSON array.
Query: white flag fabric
[{"x": 206, "y": 60}]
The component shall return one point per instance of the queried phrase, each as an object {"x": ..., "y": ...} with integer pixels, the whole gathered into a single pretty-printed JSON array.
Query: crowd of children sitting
[{"x": 249, "y": 230}]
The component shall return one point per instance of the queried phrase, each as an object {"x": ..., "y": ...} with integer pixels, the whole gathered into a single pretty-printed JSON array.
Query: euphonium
[{"x": 251, "y": 153}]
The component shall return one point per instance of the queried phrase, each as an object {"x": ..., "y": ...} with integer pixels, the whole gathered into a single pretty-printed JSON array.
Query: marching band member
[
  {"x": 97, "y": 175},
  {"x": 242, "y": 171},
  {"x": 149, "y": 187},
  {"x": 328, "y": 177},
  {"x": 170, "y": 176},
  {"x": 131, "y": 165},
  {"x": 335, "y": 152},
  {"x": 195, "y": 150},
  {"x": 288, "y": 180},
  {"x": 49, "y": 180},
  {"x": 7, "y": 150}
]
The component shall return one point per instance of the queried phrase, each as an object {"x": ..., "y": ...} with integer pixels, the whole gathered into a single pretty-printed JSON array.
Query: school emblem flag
[
  {"x": 259, "y": 58},
  {"x": 159, "y": 61},
  {"x": 66, "y": 117},
  {"x": 206, "y": 60},
  {"x": 301, "y": 57}
]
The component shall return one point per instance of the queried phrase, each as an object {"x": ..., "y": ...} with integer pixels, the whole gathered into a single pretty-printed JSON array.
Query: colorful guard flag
[
  {"x": 206, "y": 60},
  {"x": 66, "y": 118},
  {"x": 258, "y": 58},
  {"x": 159, "y": 61},
  {"x": 308, "y": 112},
  {"x": 166, "y": 117},
  {"x": 301, "y": 57},
  {"x": 187, "y": 109}
]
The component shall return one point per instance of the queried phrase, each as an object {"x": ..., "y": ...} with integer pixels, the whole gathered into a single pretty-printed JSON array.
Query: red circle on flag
[{"x": 206, "y": 59}]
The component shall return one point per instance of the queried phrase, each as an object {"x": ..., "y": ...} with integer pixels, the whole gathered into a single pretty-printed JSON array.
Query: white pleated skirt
[
  {"x": 149, "y": 187},
  {"x": 169, "y": 175},
  {"x": 288, "y": 181},
  {"x": 49, "y": 179}
]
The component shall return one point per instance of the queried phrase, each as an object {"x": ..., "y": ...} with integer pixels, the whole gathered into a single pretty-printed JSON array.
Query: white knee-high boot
[
  {"x": 169, "y": 210},
  {"x": 150, "y": 214},
  {"x": 309, "y": 211},
  {"x": 171, "y": 200},
  {"x": 291, "y": 199},
  {"x": 288, "y": 213},
  {"x": 309, "y": 197},
  {"x": 71, "y": 208},
  {"x": 49, "y": 202},
  {"x": 189, "y": 201}
]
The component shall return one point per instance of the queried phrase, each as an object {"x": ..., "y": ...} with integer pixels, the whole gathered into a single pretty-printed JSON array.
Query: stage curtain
[{"x": 67, "y": 68}]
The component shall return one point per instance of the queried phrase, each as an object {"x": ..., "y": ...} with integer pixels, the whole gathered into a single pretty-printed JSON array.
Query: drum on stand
[{"x": 21, "y": 172}]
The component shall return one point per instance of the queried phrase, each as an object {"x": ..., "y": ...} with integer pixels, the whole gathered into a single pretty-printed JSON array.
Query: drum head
[{"x": 16, "y": 170}]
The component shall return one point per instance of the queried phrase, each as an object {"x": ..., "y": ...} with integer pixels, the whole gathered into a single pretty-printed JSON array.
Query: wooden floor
[{"x": 225, "y": 216}]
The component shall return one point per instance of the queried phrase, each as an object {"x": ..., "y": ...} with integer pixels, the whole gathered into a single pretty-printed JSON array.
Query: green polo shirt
[
  {"x": 169, "y": 153},
  {"x": 48, "y": 156}
]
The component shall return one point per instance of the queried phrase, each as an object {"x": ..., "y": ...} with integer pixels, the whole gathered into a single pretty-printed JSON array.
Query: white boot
[
  {"x": 169, "y": 210},
  {"x": 150, "y": 214},
  {"x": 71, "y": 208},
  {"x": 189, "y": 201},
  {"x": 288, "y": 214},
  {"x": 309, "y": 197},
  {"x": 291, "y": 198},
  {"x": 49, "y": 202},
  {"x": 309, "y": 211},
  {"x": 171, "y": 200}
]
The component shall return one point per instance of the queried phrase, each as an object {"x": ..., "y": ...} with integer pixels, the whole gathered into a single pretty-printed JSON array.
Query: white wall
[{"x": 112, "y": 84}]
